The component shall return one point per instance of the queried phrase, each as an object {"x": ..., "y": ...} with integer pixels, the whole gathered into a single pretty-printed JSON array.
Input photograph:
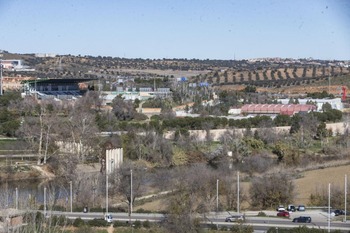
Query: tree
[
  {"x": 123, "y": 110},
  {"x": 121, "y": 181},
  {"x": 82, "y": 129},
  {"x": 41, "y": 124},
  {"x": 194, "y": 195},
  {"x": 271, "y": 190}
]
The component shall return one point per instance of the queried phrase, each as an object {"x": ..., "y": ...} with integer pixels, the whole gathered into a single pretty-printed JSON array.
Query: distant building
[
  {"x": 45, "y": 55},
  {"x": 54, "y": 88},
  {"x": 283, "y": 109},
  {"x": 234, "y": 111},
  {"x": 335, "y": 103},
  {"x": 15, "y": 65}
]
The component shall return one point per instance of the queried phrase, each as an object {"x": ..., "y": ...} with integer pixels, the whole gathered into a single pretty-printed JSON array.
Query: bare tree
[{"x": 271, "y": 190}]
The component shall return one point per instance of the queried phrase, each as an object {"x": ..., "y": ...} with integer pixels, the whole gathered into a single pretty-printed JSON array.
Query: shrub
[
  {"x": 137, "y": 224},
  {"x": 84, "y": 229},
  {"x": 78, "y": 222},
  {"x": 262, "y": 214},
  {"x": 146, "y": 224},
  {"x": 242, "y": 229},
  {"x": 120, "y": 224},
  {"x": 97, "y": 223},
  {"x": 60, "y": 221}
]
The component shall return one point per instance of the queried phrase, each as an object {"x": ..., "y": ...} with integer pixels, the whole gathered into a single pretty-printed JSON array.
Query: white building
[{"x": 335, "y": 103}]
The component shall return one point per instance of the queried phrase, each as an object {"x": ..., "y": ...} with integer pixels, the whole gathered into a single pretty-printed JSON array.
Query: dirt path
[{"x": 110, "y": 229}]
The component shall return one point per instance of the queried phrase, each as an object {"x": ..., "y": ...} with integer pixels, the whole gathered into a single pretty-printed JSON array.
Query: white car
[
  {"x": 235, "y": 218},
  {"x": 109, "y": 218}
]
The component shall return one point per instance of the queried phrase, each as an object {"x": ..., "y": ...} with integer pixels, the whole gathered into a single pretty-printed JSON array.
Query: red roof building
[{"x": 284, "y": 109}]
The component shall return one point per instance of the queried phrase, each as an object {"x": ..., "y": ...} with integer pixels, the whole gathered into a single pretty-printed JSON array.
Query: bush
[
  {"x": 78, "y": 222},
  {"x": 60, "y": 221},
  {"x": 146, "y": 224},
  {"x": 120, "y": 224},
  {"x": 137, "y": 224},
  {"x": 84, "y": 229},
  {"x": 242, "y": 229},
  {"x": 97, "y": 223},
  {"x": 141, "y": 211},
  {"x": 59, "y": 208},
  {"x": 262, "y": 214}
]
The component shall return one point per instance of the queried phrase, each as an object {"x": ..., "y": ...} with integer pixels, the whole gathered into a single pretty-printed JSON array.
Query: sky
[{"x": 199, "y": 29}]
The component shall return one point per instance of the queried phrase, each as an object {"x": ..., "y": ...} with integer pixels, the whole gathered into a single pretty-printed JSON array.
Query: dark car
[
  {"x": 302, "y": 219},
  {"x": 338, "y": 212},
  {"x": 291, "y": 208},
  {"x": 283, "y": 214}
]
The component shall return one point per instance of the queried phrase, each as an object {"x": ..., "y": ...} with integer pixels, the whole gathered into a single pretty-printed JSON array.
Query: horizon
[
  {"x": 248, "y": 59},
  {"x": 206, "y": 29}
]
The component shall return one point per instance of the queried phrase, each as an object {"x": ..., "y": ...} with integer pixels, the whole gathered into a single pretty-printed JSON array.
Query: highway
[{"x": 261, "y": 224}]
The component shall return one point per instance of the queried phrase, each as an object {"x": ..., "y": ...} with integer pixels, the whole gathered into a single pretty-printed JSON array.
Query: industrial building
[
  {"x": 336, "y": 103},
  {"x": 273, "y": 109}
]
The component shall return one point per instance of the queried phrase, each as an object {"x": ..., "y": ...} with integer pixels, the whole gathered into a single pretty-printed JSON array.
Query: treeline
[{"x": 199, "y": 123}]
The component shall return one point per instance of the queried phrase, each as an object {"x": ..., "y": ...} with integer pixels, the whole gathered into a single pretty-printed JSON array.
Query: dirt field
[
  {"x": 318, "y": 180},
  {"x": 309, "y": 182}
]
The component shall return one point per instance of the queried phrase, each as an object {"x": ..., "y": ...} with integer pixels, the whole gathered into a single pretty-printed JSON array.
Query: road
[{"x": 261, "y": 224}]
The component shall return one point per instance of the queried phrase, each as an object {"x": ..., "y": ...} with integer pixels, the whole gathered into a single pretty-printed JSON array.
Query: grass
[{"x": 318, "y": 180}]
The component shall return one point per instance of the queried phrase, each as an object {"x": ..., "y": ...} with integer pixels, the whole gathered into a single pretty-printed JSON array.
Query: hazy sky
[{"x": 213, "y": 29}]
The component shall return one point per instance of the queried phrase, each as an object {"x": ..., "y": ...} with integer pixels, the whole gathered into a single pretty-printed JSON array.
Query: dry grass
[{"x": 318, "y": 180}]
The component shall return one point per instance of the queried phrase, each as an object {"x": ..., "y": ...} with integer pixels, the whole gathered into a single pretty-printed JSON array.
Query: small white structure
[{"x": 234, "y": 111}]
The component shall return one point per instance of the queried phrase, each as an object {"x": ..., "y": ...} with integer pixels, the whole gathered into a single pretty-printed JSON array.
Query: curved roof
[{"x": 288, "y": 109}]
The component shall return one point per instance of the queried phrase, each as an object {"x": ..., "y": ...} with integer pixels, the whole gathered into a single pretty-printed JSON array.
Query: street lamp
[
  {"x": 131, "y": 192},
  {"x": 16, "y": 198},
  {"x": 107, "y": 170},
  {"x": 44, "y": 201},
  {"x": 217, "y": 201},
  {"x": 329, "y": 207},
  {"x": 106, "y": 191},
  {"x": 71, "y": 195},
  {"x": 238, "y": 192},
  {"x": 345, "y": 193},
  {"x": 1, "y": 77}
]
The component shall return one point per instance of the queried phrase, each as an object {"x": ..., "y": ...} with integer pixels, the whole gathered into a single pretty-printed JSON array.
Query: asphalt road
[{"x": 260, "y": 224}]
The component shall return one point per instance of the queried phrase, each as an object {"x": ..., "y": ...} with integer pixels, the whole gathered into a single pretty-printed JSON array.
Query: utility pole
[
  {"x": 1, "y": 77},
  {"x": 16, "y": 198},
  {"x": 45, "y": 201},
  {"x": 346, "y": 193},
  {"x": 217, "y": 201},
  {"x": 71, "y": 195},
  {"x": 131, "y": 194},
  {"x": 238, "y": 193},
  {"x": 106, "y": 190},
  {"x": 329, "y": 207}
]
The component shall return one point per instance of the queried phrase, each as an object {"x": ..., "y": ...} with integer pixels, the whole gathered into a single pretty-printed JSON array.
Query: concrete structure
[
  {"x": 335, "y": 103},
  {"x": 131, "y": 94},
  {"x": 234, "y": 111},
  {"x": 114, "y": 159},
  {"x": 10, "y": 220},
  {"x": 284, "y": 109}
]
